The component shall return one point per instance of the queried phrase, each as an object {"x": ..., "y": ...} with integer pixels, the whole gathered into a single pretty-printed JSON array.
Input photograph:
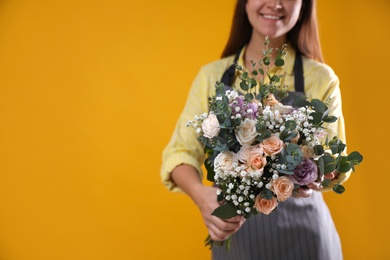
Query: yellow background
[{"x": 90, "y": 91}]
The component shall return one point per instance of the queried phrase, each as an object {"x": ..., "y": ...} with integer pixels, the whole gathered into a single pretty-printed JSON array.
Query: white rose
[
  {"x": 246, "y": 133},
  {"x": 226, "y": 161},
  {"x": 210, "y": 126}
]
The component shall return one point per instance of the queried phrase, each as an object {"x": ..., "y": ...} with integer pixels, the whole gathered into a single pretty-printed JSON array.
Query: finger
[
  {"x": 217, "y": 235},
  {"x": 235, "y": 219},
  {"x": 330, "y": 176},
  {"x": 225, "y": 226},
  {"x": 303, "y": 193},
  {"x": 315, "y": 186}
]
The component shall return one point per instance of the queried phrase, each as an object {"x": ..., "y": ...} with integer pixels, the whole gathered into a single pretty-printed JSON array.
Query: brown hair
[{"x": 303, "y": 36}]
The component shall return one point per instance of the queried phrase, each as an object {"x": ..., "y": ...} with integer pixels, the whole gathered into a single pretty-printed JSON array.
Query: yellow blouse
[{"x": 184, "y": 148}]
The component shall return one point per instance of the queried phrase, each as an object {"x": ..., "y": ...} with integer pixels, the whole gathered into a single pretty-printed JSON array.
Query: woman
[{"x": 300, "y": 228}]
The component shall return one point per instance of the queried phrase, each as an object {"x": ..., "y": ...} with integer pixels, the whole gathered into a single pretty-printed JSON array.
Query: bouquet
[{"x": 260, "y": 151}]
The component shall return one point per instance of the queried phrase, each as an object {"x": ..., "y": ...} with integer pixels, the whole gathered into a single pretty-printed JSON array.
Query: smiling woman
[{"x": 301, "y": 228}]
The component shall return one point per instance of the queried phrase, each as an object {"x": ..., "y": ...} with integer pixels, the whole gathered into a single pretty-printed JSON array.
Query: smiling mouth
[{"x": 271, "y": 17}]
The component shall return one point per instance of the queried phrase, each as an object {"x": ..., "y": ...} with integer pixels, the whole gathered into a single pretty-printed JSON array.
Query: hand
[
  {"x": 305, "y": 192},
  {"x": 219, "y": 229}
]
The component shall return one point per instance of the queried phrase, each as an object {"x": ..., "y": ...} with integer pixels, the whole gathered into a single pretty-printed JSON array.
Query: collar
[{"x": 289, "y": 60}]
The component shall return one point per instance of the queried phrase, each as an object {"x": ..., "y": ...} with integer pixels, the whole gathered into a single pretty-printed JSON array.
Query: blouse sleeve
[
  {"x": 333, "y": 98},
  {"x": 184, "y": 147}
]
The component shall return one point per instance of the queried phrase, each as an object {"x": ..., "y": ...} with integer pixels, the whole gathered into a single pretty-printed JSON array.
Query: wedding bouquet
[{"x": 258, "y": 150}]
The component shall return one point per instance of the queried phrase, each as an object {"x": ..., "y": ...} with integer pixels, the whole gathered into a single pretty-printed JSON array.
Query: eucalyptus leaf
[
  {"x": 317, "y": 118},
  {"x": 343, "y": 167},
  {"x": 326, "y": 182},
  {"x": 330, "y": 119},
  {"x": 339, "y": 189},
  {"x": 321, "y": 166},
  {"x": 355, "y": 157},
  {"x": 279, "y": 62},
  {"x": 225, "y": 211},
  {"x": 244, "y": 86},
  {"x": 209, "y": 165},
  {"x": 319, "y": 106},
  {"x": 319, "y": 150},
  {"x": 290, "y": 125}
]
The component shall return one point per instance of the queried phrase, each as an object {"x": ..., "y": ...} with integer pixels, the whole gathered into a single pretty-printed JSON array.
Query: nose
[{"x": 275, "y": 4}]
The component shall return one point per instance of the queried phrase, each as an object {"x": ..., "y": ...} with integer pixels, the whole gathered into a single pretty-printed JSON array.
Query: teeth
[{"x": 271, "y": 16}]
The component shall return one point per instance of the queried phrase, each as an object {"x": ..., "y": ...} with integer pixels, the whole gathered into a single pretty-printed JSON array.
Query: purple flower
[
  {"x": 251, "y": 110},
  {"x": 238, "y": 106},
  {"x": 246, "y": 110},
  {"x": 305, "y": 173}
]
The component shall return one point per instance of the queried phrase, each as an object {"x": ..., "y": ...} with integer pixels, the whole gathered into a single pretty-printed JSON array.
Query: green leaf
[
  {"x": 289, "y": 136},
  {"x": 343, "y": 167},
  {"x": 266, "y": 194},
  {"x": 244, "y": 75},
  {"x": 209, "y": 165},
  {"x": 279, "y": 62},
  {"x": 329, "y": 163},
  {"x": 339, "y": 189},
  {"x": 336, "y": 145},
  {"x": 275, "y": 78},
  {"x": 321, "y": 166},
  {"x": 244, "y": 86},
  {"x": 301, "y": 101},
  {"x": 290, "y": 125},
  {"x": 355, "y": 157},
  {"x": 317, "y": 118},
  {"x": 326, "y": 182},
  {"x": 249, "y": 97},
  {"x": 254, "y": 72},
  {"x": 319, "y": 106},
  {"x": 319, "y": 150},
  {"x": 330, "y": 119},
  {"x": 261, "y": 71},
  {"x": 220, "y": 197},
  {"x": 225, "y": 211},
  {"x": 267, "y": 61},
  {"x": 253, "y": 82}
]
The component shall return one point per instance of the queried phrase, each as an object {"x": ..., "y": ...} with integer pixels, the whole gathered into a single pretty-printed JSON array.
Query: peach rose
[
  {"x": 307, "y": 151},
  {"x": 246, "y": 133},
  {"x": 256, "y": 160},
  {"x": 265, "y": 206},
  {"x": 210, "y": 126},
  {"x": 270, "y": 100},
  {"x": 272, "y": 145},
  {"x": 283, "y": 188},
  {"x": 225, "y": 161}
]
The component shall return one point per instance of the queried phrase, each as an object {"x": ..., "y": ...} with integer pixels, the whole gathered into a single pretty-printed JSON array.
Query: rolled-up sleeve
[{"x": 184, "y": 147}]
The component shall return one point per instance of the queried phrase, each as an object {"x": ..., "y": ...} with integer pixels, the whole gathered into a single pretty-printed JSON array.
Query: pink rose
[
  {"x": 210, "y": 126},
  {"x": 225, "y": 161},
  {"x": 246, "y": 133},
  {"x": 272, "y": 145},
  {"x": 265, "y": 206},
  {"x": 283, "y": 188}
]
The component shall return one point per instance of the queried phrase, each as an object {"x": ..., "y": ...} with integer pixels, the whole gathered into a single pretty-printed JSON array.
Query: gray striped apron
[{"x": 298, "y": 229}]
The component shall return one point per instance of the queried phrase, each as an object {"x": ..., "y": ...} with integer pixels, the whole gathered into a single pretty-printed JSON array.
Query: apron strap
[
  {"x": 229, "y": 74},
  {"x": 299, "y": 81}
]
